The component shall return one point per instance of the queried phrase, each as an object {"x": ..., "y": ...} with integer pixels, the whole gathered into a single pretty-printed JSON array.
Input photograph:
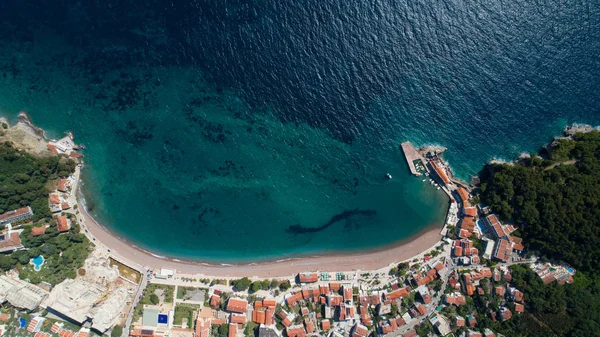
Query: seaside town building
[
  {"x": 10, "y": 240},
  {"x": 19, "y": 214},
  {"x": 21, "y": 294}
]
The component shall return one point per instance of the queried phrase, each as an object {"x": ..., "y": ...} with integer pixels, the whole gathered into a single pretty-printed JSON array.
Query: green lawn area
[
  {"x": 168, "y": 292},
  {"x": 185, "y": 311}
]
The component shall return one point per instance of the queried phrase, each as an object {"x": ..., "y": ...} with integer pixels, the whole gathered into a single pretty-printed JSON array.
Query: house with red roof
[
  {"x": 62, "y": 223},
  {"x": 215, "y": 300},
  {"x": 202, "y": 328},
  {"x": 462, "y": 193},
  {"x": 295, "y": 331},
  {"x": 240, "y": 319},
  {"x": 347, "y": 293},
  {"x": 237, "y": 305},
  {"x": 396, "y": 294},
  {"x": 19, "y": 214},
  {"x": 293, "y": 299},
  {"x": 502, "y": 250},
  {"x": 308, "y": 277},
  {"x": 504, "y": 313},
  {"x": 470, "y": 212},
  {"x": 232, "y": 330},
  {"x": 63, "y": 185},
  {"x": 455, "y": 298},
  {"x": 519, "y": 308},
  {"x": 37, "y": 231}
]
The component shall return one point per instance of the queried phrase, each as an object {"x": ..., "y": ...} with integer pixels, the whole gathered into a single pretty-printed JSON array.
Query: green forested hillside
[
  {"x": 556, "y": 204},
  {"x": 23, "y": 179}
]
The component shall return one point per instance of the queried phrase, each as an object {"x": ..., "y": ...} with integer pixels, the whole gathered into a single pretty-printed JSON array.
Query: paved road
[{"x": 136, "y": 300}]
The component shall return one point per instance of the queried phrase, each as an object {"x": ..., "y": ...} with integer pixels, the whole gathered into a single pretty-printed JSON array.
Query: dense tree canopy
[
  {"x": 24, "y": 179},
  {"x": 555, "y": 202}
]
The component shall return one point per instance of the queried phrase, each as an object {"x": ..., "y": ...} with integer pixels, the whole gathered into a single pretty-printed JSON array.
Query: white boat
[
  {"x": 438, "y": 188},
  {"x": 389, "y": 176}
]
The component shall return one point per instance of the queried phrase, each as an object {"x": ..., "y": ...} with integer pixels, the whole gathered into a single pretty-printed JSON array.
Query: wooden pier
[{"x": 411, "y": 154}]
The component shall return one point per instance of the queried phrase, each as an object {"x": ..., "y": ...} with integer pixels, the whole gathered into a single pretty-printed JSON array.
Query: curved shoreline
[
  {"x": 284, "y": 266},
  {"x": 375, "y": 259}
]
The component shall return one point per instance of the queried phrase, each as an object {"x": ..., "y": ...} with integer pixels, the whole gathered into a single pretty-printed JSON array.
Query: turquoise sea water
[{"x": 213, "y": 127}]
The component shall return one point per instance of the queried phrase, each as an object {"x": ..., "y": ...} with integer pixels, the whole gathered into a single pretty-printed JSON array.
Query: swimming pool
[
  {"x": 22, "y": 322},
  {"x": 37, "y": 262}
]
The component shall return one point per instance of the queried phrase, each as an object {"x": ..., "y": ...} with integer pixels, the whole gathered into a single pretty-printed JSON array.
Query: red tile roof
[
  {"x": 292, "y": 300},
  {"x": 64, "y": 205},
  {"x": 215, "y": 300},
  {"x": 54, "y": 199},
  {"x": 75, "y": 155},
  {"x": 505, "y": 314},
  {"x": 52, "y": 148},
  {"x": 493, "y": 222},
  {"x": 308, "y": 277},
  {"x": 310, "y": 327},
  {"x": 468, "y": 224},
  {"x": 500, "y": 291},
  {"x": 335, "y": 286},
  {"x": 202, "y": 327},
  {"x": 37, "y": 231},
  {"x": 62, "y": 223},
  {"x": 269, "y": 303},
  {"x": 62, "y": 185},
  {"x": 424, "y": 280},
  {"x": 463, "y": 194},
  {"x": 17, "y": 212},
  {"x": 237, "y": 305},
  {"x": 296, "y": 331},
  {"x": 347, "y": 293},
  {"x": 55, "y": 327},
  {"x": 502, "y": 250},
  {"x": 440, "y": 173},
  {"x": 519, "y": 307},
  {"x": 240, "y": 319},
  {"x": 232, "y": 330},
  {"x": 325, "y": 324},
  {"x": 458, "y": 251},
  {"x": 396, "y": 294},
  {"x": 11, "y": 240},
  {"x": 67, "y": 333},
  {"x": 471, "y": 211},
  {"x": 421, "y": 309},
  {"x": 334, "y": 300}
]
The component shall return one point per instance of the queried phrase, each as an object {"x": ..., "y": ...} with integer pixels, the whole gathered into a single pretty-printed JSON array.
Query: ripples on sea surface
[{"x": 213, "y": 128}]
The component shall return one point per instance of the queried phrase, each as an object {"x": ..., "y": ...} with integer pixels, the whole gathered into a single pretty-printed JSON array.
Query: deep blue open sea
[{"x": 214, "y": 128}]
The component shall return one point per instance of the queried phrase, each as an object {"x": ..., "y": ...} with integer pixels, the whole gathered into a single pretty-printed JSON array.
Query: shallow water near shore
[{"x": 215, "y": 130}]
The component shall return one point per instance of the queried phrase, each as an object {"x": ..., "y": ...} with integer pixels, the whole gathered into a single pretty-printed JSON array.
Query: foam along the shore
[{"x": 372, "y": 260}]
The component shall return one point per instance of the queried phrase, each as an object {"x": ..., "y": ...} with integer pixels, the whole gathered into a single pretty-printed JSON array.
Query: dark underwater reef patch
[{"x": 344, "y": 216}]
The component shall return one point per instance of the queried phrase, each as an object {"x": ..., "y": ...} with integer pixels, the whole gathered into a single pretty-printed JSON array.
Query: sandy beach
[{"x": 371, "y": 260}]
